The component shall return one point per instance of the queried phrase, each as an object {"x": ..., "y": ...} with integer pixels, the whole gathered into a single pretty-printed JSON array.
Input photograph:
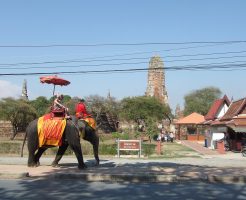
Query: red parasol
[{"x": 55, "y": 80}]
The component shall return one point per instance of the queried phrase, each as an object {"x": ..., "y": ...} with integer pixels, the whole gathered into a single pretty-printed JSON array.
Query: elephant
[
  {"x": 71, "y": 137},
  {"x": 89, "y": 134}
]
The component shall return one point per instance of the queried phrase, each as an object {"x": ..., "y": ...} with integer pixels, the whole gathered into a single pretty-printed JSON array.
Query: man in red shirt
[{"x": 80, "y": 110}]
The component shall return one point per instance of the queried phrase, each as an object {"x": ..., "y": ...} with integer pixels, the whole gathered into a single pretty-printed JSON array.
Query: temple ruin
[{"x": 156, "y": 80}]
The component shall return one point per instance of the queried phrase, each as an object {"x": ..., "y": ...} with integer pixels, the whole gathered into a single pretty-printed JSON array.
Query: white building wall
[{"x": 222, "y": 111}]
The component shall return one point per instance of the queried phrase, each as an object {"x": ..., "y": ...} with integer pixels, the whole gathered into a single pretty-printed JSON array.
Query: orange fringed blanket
[
  {"x": 91, "y": 122},
  {"x": 50, "y": 130}
]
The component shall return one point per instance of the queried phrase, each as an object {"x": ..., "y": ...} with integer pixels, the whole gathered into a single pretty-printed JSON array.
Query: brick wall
[{"x": 6, "y": 129}]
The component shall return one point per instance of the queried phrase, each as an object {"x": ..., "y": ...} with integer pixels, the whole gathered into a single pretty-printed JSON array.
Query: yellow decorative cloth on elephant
[
  {"x": 50, "y": 130},
  {"x": 91, "y": 122}
]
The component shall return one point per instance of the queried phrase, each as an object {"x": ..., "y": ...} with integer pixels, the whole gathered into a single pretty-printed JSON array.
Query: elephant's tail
[{"x": 23, "y": 144}]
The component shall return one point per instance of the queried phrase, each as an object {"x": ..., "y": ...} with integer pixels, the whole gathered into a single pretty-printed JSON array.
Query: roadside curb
[
  {"x": 226, "y": 179},
  {"x": 134, "y": 178},
  {"x": 138, "y": 178}
]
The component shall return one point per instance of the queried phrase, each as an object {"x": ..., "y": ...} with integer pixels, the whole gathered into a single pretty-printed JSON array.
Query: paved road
[
  {"x": 40, "y": 189},
  {"x": 229, "y": 159},
  {"x": 226, "y": 168}
]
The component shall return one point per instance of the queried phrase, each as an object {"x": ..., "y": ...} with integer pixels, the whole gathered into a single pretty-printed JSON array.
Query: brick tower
[
  {"x": 156, "y": 80},
  {"x": 24, "y": 91}
]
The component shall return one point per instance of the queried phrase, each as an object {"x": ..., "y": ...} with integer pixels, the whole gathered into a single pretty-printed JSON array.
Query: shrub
[
  {"x": 148, "y": 149},
  {"x": 107, "y": 149},
  {"x": 122, "y": 136}
]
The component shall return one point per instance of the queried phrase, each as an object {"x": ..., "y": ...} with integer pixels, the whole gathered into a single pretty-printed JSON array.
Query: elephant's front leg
[
  {"x": 95, "y": 145},
  {"x": 59, "y": 154},
  {"x": 94, "y": 140},
  {"x": 78, "y": 152}
]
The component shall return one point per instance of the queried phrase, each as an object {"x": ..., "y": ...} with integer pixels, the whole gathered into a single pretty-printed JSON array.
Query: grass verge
[{"x": 106, "y": 147}]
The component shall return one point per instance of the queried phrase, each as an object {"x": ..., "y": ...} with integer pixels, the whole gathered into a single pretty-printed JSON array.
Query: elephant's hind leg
[
  {"x": 37, "y": 156},
  {"x": 59, "y": 154},
  {"x": 31, "y": 159}
]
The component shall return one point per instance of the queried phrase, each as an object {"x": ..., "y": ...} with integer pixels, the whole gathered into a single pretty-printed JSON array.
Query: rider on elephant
[
  {"x": 59, "y": 107},
  {"x": 80, "y": 110},
  {"x": 84, "y": 117}
]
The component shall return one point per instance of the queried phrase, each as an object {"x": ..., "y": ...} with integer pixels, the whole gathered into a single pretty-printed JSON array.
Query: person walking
[
  {"x": 171, "y": 136},
  {"x": 162, "y": 135}
]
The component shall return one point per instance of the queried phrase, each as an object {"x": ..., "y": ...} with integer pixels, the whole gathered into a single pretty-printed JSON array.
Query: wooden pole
[
  {"x": 54, "y": 90},
  {"x": 158, "y": 147}
]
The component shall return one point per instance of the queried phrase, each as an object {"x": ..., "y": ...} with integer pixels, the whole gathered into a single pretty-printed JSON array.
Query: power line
[
  {"x": 119, "y": 59},
  {"x": 121, "y": 44},
  {"x": 127, "y": 54},
  {"x": 174, "y": 68},
  {"x": 127, "y": 63},
  {"x": 206, "y": 67}
]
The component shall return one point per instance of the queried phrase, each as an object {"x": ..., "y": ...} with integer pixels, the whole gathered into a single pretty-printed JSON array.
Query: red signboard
[{"x": 129, "y": 145}]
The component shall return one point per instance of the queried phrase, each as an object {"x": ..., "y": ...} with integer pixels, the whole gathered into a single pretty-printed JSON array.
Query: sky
[{"x": 77, "y": 37}]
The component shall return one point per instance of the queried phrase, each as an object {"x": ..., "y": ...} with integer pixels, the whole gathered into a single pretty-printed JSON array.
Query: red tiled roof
[
  {"x": 234, "y": 109},
  {"x": 207, "y": 122},
  {"x": 216, "y": 123},
  {"x": 215, "y": 107},
  {"x": 193, "y": 118},
  {"x": 237, "y": 121}
]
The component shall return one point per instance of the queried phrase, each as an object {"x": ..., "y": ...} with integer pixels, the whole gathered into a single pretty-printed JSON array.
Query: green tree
[
  {"x": 146, "y": 112},
  {"x": 142, "y": 107},
  {"x": 66, "y": 98},
  {"x": 151, "y": 127},
  {"x": 18, "y": 112},
  {"x": 200, "y": 100},
  {"x": 41, "y": 104},
  {"x": 70, "y": 104}
]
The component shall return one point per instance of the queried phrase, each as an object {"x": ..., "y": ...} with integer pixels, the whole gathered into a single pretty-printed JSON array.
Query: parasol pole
[{"x": 54, "y": 90}]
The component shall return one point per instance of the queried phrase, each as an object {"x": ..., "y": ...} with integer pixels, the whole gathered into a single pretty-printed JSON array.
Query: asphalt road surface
[{"x": 45, "y": 189}]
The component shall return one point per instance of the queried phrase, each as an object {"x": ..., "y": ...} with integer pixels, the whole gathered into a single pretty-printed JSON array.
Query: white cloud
[{"x": 7, "y": 89}]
